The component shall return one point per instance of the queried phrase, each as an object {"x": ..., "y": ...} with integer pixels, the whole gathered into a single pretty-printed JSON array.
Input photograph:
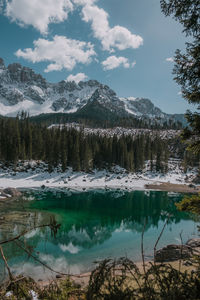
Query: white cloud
[
  {"x": 38, "y": 13},
  {"x": 84, "y": 2},
  {"x": 77, "y": 78},
  {"x": 113, "y": 62},
  {"x": 63, "y": 53},
  {"x": 121, "y": 38},
  {"x": 170, "y": 59},
  {"x": 117, "y": 37},
  {"x": 99, "y": 19}
]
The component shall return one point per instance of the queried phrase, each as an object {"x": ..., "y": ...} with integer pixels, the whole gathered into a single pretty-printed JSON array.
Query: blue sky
[{"x": 127, "y": 44}]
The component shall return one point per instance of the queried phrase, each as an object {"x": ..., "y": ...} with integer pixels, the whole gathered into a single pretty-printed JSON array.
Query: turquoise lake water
[{"x": 97, "y": 225}]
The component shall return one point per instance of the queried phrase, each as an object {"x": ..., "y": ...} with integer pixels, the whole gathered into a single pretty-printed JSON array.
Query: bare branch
[
  {"x": 45, "y": 265},
  {"x": 6, "y": 264},
  {"x": 142, "y": 246},
  {"x": 23, "y": 233},
  {"x": 159, "y": 237},
  {"x": 180, "y": 260}
]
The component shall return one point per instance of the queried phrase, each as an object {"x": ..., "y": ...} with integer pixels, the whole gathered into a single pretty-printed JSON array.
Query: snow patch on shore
[{"x": 35, "y": 174}]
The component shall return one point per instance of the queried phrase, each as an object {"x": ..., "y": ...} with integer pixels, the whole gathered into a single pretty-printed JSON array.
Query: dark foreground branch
[
  {"x": 6, "y": 264},
  {"x": 45, "y": 265},
  {"x": 23, "y": 233}
]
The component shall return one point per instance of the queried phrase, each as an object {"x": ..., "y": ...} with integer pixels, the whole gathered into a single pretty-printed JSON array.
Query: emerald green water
[{"x": 97, "y": 225}]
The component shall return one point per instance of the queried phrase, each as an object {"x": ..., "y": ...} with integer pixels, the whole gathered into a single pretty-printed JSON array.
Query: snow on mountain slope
[
  {"x": 142, "y": 107},
  {"x": 22, "y": 89}
]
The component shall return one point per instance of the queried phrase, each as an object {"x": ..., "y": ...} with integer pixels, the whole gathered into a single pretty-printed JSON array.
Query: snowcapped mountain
[
  {"x": 142, "y": 107},
  {"x": 22, "y": 89}
]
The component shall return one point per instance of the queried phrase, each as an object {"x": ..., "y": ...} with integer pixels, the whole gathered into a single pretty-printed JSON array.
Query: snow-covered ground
[
  {"x": 32, "y": 176},
  {"x": 119, "y": 131}
]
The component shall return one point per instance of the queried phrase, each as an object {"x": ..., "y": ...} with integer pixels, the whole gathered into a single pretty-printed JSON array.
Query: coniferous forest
[
  {"x": 20, "y": 139},
  {"x": 99, "y": 118}
]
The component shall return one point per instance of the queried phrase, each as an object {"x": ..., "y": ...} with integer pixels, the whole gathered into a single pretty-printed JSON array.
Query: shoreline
[
  {"x": 160, "y": 186},
  {"x": 173, "y": 187},
  {"x": 83, "y": 278},
  {"x": 81, "y": 181},
  {"x": 144, "y": 184}
]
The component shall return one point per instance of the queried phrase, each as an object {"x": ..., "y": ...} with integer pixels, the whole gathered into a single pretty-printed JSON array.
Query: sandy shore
[
  {"x": 172, "y": 187},
  {"x": 83, "y": 279}
]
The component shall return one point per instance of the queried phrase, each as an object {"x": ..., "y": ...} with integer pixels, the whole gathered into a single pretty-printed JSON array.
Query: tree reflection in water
[{"x": 97, "y": 223}]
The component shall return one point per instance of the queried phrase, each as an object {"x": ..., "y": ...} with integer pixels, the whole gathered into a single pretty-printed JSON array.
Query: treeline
[
  {"x": 22, "y": 140},
  {"x": 100, "y": 119}
]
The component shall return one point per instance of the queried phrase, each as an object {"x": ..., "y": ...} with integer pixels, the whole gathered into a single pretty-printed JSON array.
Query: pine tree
[
  {"x": 63, "y": 150},
  {"x": 151, "y": 162},
  {"x": 76, "y": 154},
  {"x": 159, "y": 162},
  {"x": 86, "y": 162},
  {"x": 166, "y": 158},
  {"x": 187, "y": 65}
]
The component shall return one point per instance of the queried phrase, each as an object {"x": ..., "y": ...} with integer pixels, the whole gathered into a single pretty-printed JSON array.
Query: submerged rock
[{"x": 173, "y": 252}]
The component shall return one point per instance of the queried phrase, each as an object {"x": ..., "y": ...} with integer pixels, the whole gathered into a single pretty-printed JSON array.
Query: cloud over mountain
[
  {"x": 77, "y": 78},
  {"x": 113, "y": 62},
  {"x": 61, "y": 52}
]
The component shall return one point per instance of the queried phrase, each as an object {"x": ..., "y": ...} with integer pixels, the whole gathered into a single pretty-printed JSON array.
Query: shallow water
[{"x": 96, "y": 225}]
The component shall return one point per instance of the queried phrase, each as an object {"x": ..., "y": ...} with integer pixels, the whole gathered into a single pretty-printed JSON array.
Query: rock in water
[
  {"x": 194, "y": 243},
  {"x": 173, "y": 252}
]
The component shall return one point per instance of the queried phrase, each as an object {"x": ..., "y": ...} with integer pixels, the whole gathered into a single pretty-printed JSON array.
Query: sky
[{"x": 128, "y": 45}]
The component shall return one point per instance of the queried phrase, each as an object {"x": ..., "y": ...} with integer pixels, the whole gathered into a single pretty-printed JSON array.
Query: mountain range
[{"x": 22, "y": 89}]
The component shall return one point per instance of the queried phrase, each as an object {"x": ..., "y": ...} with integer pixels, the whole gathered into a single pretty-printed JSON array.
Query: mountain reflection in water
[{"x": 99, "y": 224}]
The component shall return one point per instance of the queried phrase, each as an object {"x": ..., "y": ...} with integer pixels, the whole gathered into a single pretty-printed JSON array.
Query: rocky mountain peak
[
  {"x": 64, "y": 85},
  {"x": 90, "y": 83},
  {"x": 2, "y": 65},
  {"x": 103, "y": 93},
  {"x": 16, "y": 73},
  {"x": 142, "y": 107},
  {"x": 15, "y": 67},
  {"x": 107, "y": 98},
  {"x": 145, "y": 106},
  {"x": 22, "y": 89}
]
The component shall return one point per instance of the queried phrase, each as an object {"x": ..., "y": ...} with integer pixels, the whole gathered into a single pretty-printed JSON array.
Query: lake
[{"x": 94, "y": 225}]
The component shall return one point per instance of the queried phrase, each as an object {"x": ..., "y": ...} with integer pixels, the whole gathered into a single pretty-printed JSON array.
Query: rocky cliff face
[
  {"x": 22, "y": 89},
  {"x": 142, "y": 107}
]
